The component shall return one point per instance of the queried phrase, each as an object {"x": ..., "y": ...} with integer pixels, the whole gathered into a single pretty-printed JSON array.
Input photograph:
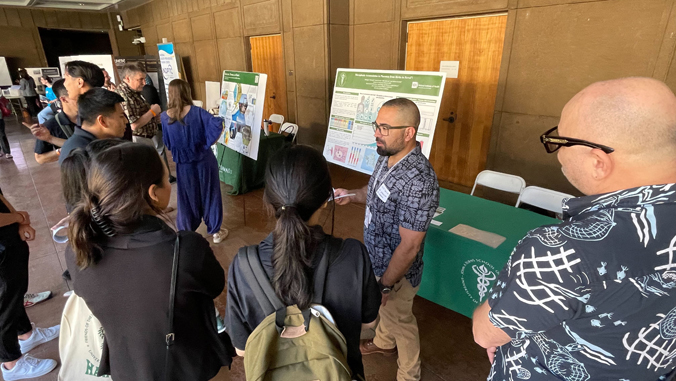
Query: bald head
[
  {"x": 407, "y": 111},
  {"x": 635, "y": 116}
]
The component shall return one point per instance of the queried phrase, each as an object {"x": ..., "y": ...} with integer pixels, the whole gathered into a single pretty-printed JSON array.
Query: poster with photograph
[
  {"x": 357, "y": 98},
  {"x": 241, "y": 105},
  {"x": 169, "y": 64}
]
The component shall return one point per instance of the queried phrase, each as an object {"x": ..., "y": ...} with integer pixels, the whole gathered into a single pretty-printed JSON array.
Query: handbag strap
[
  {"x": 172, "y": 296},
  {"x": 66, "y": 129}
]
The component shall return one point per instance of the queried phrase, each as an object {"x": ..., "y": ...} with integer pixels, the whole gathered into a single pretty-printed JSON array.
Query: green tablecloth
[
  {"x": 242, "y": 172},
  {"x": 453, "y": 275}
]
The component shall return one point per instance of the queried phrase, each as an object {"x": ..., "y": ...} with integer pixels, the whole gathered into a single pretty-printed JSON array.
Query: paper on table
[
  {"x": 436, "y": 223},
  {"x": 487, "y": 238}
]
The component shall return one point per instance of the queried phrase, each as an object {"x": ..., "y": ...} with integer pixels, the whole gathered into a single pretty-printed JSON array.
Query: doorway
[
  {"x": 474, "y": 44},
  {"x": 267, "y": 56},
  {"x": 61, "y": 42}
]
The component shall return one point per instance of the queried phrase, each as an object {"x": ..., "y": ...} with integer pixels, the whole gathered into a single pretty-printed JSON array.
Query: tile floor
[{"x": 448, "y": 350}]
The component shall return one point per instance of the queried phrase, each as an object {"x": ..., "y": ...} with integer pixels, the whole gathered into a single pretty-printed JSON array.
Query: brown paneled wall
[
  {"x": 21, "y": 41},
  {"x": 212, "y": 36},
  {"x": 553, "y": 48}
]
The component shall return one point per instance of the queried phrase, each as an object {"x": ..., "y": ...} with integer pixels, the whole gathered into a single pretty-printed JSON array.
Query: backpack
[
  {"x": 290, "y": 344},
  {"x": 4, "y": 107}
]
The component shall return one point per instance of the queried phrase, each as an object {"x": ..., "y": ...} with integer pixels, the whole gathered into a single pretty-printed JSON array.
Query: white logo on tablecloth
[{"x": 482, "y": 275}]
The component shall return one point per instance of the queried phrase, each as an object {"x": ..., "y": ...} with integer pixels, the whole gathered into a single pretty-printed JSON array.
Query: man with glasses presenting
[
  {"x": 400, "y": 199},
  {"x": 594, "y": 297}
]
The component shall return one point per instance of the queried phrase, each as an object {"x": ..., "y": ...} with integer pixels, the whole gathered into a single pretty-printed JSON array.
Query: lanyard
[{"x": 381, "y": 182}]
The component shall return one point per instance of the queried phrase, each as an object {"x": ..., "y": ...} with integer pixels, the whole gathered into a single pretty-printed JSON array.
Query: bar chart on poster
[{"x": 358, "y": 95}]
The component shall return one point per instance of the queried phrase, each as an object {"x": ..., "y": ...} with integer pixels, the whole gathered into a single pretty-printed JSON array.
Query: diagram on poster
[
  {"x": 242, "y": 101},
  {"x": 358, "y": 95}
]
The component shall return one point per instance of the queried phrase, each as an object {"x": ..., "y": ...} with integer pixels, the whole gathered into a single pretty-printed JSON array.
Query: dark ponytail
[
  {"x": 115, "y": 197},
  {"x": 297, "y": 184}
]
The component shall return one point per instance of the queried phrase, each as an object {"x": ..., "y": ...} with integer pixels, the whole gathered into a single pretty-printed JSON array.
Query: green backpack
[{"x": 290, "y": 344}]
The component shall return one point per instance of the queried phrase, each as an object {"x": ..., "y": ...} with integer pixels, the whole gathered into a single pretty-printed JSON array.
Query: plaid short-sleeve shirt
[
  {"x": 412, "y": 201},
  {"x": 135, "y": 106}
]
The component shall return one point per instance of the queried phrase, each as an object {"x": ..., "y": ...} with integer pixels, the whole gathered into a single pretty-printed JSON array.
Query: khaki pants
[{"x": 399, "y": 328}]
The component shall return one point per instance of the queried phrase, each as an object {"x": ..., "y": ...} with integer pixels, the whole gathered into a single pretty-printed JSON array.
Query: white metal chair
[
  {"x": 198, "y": 103},
  {"x": 291, "y": 129},
  {"x": 274, "y": 118},
  {"x": 500, "y": 181},
  {"x": 543, "y": 198}
]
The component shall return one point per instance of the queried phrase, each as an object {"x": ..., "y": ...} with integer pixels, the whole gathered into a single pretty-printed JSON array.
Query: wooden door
[
  {"x": 267, "y": 56},
  {"x": 463, "y": 129}
]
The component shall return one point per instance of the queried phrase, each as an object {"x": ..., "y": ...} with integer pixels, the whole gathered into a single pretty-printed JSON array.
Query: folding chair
[
  {"x": 500, "y": 181},
  {"x": 291, "y": 129},
  {"x": 543, "y": 198}
]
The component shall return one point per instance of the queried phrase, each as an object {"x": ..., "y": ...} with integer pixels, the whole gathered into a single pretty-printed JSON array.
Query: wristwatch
[{"x": 384, "y": 289}]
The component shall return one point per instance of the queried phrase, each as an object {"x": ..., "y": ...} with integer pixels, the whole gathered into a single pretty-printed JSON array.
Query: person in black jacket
[
  {"x": 121, "y": 265},
  {"x": 297, "y": 185}
]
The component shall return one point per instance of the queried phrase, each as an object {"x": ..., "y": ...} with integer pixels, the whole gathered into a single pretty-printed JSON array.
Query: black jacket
[{"x": 128, "y": 291}]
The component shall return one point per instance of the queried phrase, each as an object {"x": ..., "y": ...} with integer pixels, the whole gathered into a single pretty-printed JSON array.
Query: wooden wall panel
[
  {"x": 203, "y": 27},
  {"x": 227, "y": 23},
  {"x": 13, "y": 18},
  {"x": 51, "y": 19},
  {"x": 25, "y": 17},
  {"x": 3, "y": 18},
  {"x": 206, "y": 55},
  {"x": 182, "y": 31}
]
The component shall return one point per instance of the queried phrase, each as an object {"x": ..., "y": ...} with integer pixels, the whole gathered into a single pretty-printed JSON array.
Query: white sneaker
[
  {"x": 28, "y": 367},
  {"x": 9, "y": 156},
  {"x": 29, "y": 300},
  {"x": 221, "y": 235},
  {"x": 39, "y": 336}
]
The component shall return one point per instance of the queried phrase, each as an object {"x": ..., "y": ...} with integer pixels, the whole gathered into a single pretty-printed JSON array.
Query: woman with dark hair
[
  {"x": 121, "y": 265},
  {"x": 297, "y": 186},
  {"x": 27, "y": 91},
  {"x": 189, "y": 132}
]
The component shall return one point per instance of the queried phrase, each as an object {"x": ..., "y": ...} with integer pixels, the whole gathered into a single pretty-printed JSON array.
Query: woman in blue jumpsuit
[{"x": 189, "y": 133}]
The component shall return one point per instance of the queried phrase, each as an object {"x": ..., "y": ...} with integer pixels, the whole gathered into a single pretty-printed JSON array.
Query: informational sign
[
  {"x": 104, "y": 61},
  {"x": 241, "y": 105},
  {"x": 451, "y": 68},
  {"x": 358, "y": 95},
  {"x": 169, "y": 63}
]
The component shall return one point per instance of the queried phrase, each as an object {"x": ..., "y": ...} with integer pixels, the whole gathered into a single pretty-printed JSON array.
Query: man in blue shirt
[
  {"x": 400, "y": 199},
  {"x": 594, "y": 297}
]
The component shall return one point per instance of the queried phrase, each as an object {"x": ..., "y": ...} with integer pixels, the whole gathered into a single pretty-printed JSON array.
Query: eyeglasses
[
  {"x": 384, "y": 129},
  {"x": 552, "y": 143}
]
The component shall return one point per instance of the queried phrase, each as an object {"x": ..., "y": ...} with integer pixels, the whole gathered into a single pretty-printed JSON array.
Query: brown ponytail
[{"x": 298, "y": 183}]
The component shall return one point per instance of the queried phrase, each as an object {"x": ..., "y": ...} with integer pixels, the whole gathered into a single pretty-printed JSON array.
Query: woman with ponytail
[
  {"x": 121, "y": 265},
  {"x": 297, "y": 187}
]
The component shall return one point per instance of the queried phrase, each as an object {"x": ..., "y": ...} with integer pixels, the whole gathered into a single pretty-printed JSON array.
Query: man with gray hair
[
  {"x": 142, "y": 116},
  {"x": 595, "y": 296}
]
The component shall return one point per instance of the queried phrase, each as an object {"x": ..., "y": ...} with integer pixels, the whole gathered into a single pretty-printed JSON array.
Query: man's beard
[{"x": 397, "y": 146}]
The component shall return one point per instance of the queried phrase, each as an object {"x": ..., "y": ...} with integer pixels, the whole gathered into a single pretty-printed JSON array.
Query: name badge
[
  {"x": 383, "y": 193},
  {"x": 367, "y": 217}
]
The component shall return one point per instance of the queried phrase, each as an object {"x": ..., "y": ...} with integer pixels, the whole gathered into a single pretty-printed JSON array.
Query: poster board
[
  {"x": 357, "y": 98},
  {"x": 5, "y": 78},
  {"x": 169, "y": 62},
  {"x": 104, "y": 61},
  {"x": 241, "y": 105}
]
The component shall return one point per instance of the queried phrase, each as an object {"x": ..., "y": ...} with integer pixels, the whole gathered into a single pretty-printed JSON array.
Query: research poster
[
  {"x": 241, "y": 105},
  {"x": 104, "y": 61},
  {"x": 357, "y": 98},
  {"x": 169, "y": 65}
]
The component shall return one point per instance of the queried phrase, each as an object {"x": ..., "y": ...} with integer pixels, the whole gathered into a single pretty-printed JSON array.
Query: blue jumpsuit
[{"x": 199, "y": 191}]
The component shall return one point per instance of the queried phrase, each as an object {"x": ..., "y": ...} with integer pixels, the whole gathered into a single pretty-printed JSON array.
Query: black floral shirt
[
  {"x": 413, "y": 198},
  {"x": 593, "y": 298}
]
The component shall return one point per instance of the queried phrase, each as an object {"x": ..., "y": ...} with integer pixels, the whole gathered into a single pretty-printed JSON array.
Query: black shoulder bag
[{"x": 172, "y": 296}]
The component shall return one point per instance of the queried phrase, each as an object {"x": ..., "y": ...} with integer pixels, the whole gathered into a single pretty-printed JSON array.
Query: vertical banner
[
  {"x": 358, "y": 95},
  {"x": 241, "y": 105},
  {"x": 169, "y": 64}
]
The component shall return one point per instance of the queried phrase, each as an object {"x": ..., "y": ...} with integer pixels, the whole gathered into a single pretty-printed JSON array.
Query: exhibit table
[
  {"x": 244, "y": 173},
  {"x": 460, "y": 271}
]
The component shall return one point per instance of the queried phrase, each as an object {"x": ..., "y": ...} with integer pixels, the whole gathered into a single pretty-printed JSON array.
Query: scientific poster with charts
[
  {"x": 241, "y": 105},
  {"x": 357, "y": 98}
]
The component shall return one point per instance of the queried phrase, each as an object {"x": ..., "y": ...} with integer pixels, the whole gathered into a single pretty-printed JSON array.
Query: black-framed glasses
[
  {"x": 384, "y": 129},
  {"x": 552, "y": 142}
]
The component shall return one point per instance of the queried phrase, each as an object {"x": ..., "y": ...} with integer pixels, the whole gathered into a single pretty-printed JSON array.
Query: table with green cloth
[
  {"x": 459, "y": 271},
  {"x": 242, "y": 172}
]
